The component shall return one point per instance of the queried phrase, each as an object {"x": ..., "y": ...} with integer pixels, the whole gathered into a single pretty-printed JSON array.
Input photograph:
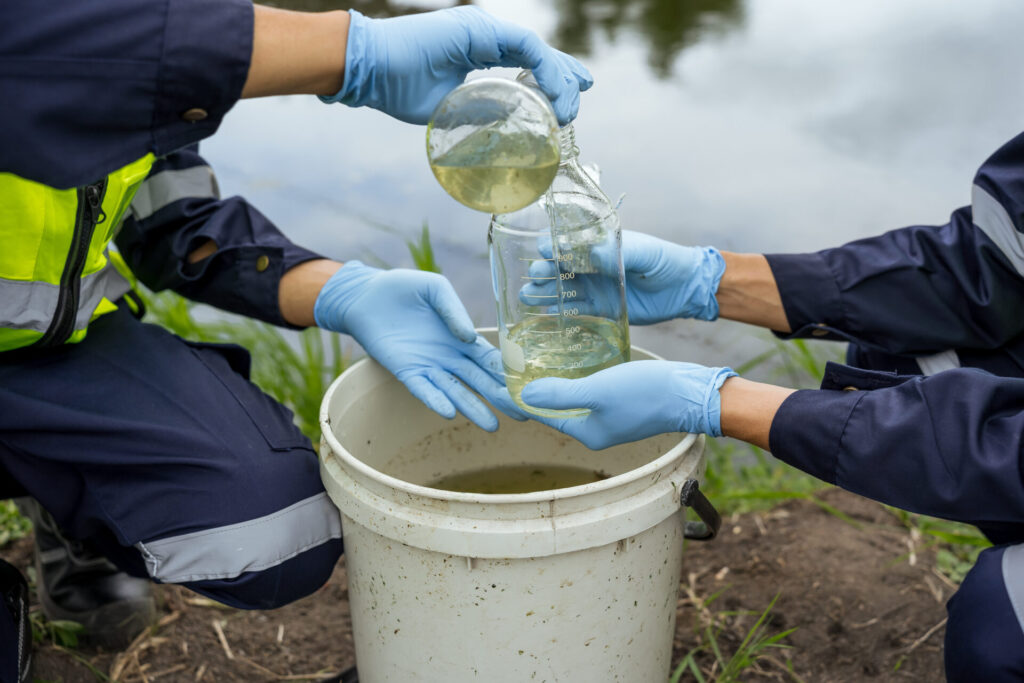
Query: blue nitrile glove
[
  {"x": 413, "y": 324},
  {"x": 403, "y": 66},
  {"x": 633, "y": 401},
  {"x": 664, "y": 280}
]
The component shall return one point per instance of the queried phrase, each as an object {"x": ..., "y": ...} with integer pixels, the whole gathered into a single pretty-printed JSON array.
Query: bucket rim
[{"x": 327, "y": 435}]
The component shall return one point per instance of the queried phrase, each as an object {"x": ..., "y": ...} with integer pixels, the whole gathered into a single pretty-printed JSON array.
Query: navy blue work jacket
[
  {"x": 937, "y": 426},
  {"x": 88, "y": 87}
]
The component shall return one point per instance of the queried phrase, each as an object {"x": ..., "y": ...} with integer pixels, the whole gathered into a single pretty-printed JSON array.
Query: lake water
[{"x": 771, "y": 126}]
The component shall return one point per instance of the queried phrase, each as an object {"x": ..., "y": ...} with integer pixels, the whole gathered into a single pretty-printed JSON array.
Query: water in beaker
[{"x": 558, "y": 280}]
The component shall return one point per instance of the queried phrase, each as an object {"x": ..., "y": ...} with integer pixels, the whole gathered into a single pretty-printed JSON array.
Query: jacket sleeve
[
  {"x": 922, "y": 289},
  {"x": 178, "y": 209},
  {"x": 89, "y": 87},
  {"x": 950, "y": 445}
]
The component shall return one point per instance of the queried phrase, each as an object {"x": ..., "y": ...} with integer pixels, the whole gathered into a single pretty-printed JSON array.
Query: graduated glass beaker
[{"x": 556, "y": 269}]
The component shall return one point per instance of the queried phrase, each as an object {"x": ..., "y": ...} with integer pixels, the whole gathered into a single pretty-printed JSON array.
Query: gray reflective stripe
[
  {"x": 930, "y": 365},
  {"x": 106, "y": 282},
  {"x": 27, "y": 305},
  {"x": 991, "y": 217},
  {"x": 169, "y": 186},
  {"x": 31, "y": 305},
  {"x": 228, "y": 551},
  {"x": 1013, "y": 577}
]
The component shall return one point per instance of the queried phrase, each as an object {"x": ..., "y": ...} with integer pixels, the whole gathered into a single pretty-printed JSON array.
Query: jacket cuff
[
  {"x": 203, "y": 67},
  {"x": 244, "y": 279},
  {"x": 808, "y": 429},
  {"x": 810, "y": 296}
]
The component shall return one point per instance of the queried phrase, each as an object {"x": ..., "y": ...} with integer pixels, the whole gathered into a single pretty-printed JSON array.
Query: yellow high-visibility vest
[{"x": 56, "y": 273}]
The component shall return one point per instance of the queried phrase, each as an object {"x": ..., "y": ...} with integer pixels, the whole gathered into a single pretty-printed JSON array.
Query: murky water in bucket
[{"x": 518, "y": 479}]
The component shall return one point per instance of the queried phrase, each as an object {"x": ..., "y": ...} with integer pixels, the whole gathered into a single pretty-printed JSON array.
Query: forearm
[
  {"x": 300, "y": 287},
  {"x": 748, "y": 292},
  {"x": 748, "y": 409},
  {"x": 297, "y": 52}
]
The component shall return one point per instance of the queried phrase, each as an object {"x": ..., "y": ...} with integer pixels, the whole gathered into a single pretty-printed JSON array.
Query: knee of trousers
[
  {"x": 276, "y": 586},
  {"x": 984, "y": 634},
  {"x": 260, "y": 563}
]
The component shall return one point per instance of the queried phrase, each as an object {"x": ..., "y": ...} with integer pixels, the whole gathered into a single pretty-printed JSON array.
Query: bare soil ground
[{"x": 863, "y": 596}]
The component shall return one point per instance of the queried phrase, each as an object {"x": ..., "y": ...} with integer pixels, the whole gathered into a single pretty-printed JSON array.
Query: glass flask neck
[{"x": 567, "y": 144}]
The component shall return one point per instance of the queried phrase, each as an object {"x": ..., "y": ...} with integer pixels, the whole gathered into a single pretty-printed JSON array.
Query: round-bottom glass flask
[{"x": 493, "y": 144}]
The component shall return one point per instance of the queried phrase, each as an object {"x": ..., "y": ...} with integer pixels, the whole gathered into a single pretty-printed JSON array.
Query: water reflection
[{"x": 669, "y": 26}]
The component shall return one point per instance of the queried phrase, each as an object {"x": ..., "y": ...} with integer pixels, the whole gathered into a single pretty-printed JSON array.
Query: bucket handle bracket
[{"x": 690, "y": 496}]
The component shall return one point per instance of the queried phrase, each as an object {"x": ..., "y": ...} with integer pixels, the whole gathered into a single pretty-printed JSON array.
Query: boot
[
  {"x": 77, "y": 584},
  {"x": 16, "y": 643}
]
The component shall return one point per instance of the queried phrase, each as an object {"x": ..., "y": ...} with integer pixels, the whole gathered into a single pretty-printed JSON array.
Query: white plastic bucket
[{"x": 575, "y": 584}]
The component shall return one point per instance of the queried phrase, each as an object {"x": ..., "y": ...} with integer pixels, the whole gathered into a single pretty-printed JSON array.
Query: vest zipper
[{"x": 90, "y": 214}]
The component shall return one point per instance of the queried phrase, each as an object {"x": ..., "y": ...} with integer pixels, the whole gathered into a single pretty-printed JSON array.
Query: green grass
[
  {"x": 12, "y": 525},
  {"x": 956, "y": 545},
  {"x": 754, "y": 647},
  {"x": 741, "y": 477},
  {"x": 58, "y": 632},
  {"x": 422, "y": 251}
]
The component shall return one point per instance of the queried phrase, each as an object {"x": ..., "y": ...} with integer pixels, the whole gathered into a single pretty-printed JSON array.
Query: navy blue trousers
[
  {"x": 985, "y": 631},
  {"x": 163, "y": 456}
]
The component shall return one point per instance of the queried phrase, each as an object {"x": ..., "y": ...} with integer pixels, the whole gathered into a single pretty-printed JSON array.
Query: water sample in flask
[{"x": 493, "y": 144}]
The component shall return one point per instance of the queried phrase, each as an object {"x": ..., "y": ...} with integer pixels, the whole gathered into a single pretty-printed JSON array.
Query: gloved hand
[
  {"x": 664, "y": 280},
  {"x": 413, "y": 324},
  {"x": 403, "y": 66},
  {"x": 633, "y": 401}
]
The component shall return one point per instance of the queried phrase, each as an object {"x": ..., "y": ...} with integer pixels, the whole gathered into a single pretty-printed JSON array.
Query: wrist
[
  {"x": 712, "y": 423},
  {"x": 694, "y": 404},
  {"x": 300, "y": 287},
  {"x": 713, "y": 264},
  {"x": 355, "y": 71},
  {"x": 748, "y": 409},
  {"x": 748, "y": 292},
  {"x": 339, "y": 293}
]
